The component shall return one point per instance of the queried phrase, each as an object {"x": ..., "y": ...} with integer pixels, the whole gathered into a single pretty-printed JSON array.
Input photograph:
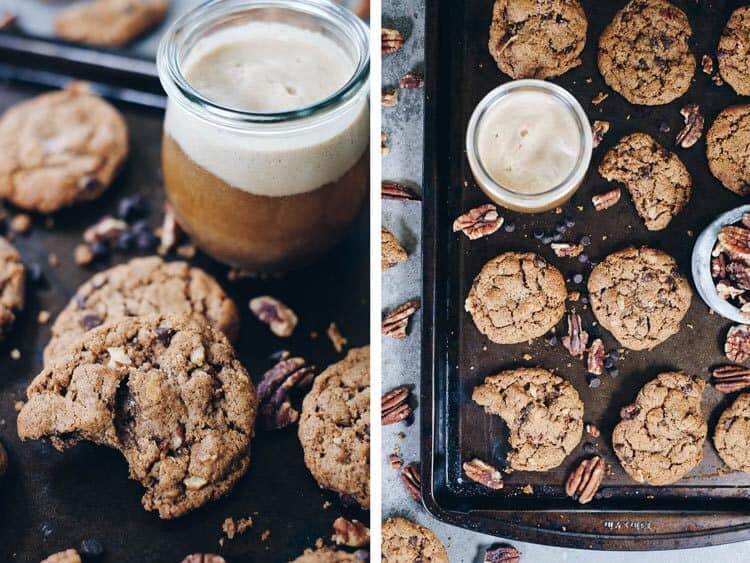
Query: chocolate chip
[
  {"x": 583, "y": 258},
  {"x": 569, "y": 222},
  {"x": 593, "y": 381},
  {"x": 146, "y": 240},
  {"x": 141, "y": 227},
  {"x": 131, "y": 207},
  {"x": 578, "y": 278},
  {"x": 509, "y": 227},
  {"x": 586, "y": 240},
  {"x": 91, "y": 548},
  {"x": 99, "y": 249},
  {"x": 91, "y": 321},
  {"x": 165, "y": 334},
  {"x": 125, "y": 241},
  {"x": 88, "y": 184}
]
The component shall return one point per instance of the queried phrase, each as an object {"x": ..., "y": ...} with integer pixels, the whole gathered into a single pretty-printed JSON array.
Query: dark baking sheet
[
  {"x": 706, "y": 507},
  {"x": 51, "y": 501}
]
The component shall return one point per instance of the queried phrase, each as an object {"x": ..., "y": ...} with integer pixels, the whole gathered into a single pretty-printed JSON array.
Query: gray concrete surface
[{"x": 401, "y": 359}]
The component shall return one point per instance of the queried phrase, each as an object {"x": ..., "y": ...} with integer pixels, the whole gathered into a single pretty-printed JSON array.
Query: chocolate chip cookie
[
  {"x": 328, "y": 555},
  {"x": 407, "y": 542},
  {"x": 639, "y": 296},
  {"x": 733, "y": 51},
  {"x": 59, "y": 149},
  {"x": 334, "y": 428},
  {"x": 537, "y": 38},
  {"x": 732, "y": 435},
  {"x": 644, "y": 53},
  {"x": 109, "y": 23},
  {"x": 657, "y": 180},
  {"x": 727, "y": 148},
  {"x": 516, "y": 297},
  {"x": 167, "y": 392},
  {"x": 143, "y": 286},
  {"x": 12, "y": 286},
  {"x": 660, "y": 438},
  {"x": 543, "y": 412}
]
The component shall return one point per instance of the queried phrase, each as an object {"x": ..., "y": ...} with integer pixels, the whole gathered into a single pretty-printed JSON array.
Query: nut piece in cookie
[
  {"x": 143, "y": 286},
  {"x": 334, "y": 428},
  {"x": 12, "y": 286},
  {"x": 660, "y": 438},
  {"x": 732, "y": 435},
  {"x": 657, "y": 180},
  {"x": 639, "y": 296},
  {"x": 727, "y": 143},
  {"x": 109, "y": 23},
  {"x": 543, "y": 412},
  {"x": 167, "y": 392},
  {"x": 644, "y": 53},
  {"x": 517, "y": 297},
  {"x": 537, "y": 38},
  {"x": 407, "y": 542},
  {"x": 733, "y": 51},
  {"x": 59, "y": 149}
]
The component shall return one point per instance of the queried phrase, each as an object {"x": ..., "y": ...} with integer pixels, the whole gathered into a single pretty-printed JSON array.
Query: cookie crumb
[
  {"x": 336, "y": 338},
  {"x": 83, "y": 255},
  {"x": 21, "y": 223},
  {"x": 15, "y": 354},
  {"x": 43, "y": 317},
  {"x": 265, "y": 535}
]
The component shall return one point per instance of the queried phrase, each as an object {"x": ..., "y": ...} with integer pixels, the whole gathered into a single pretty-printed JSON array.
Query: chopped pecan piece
[
  {"x": 394, "y": 190},
  {"x": 502, "y": 553},
  {"x": 391, "y": 41},
  {"x": 351, "y": 533},
  {"x": 105, "y": 230},
  {"x": 478, "y": 222},
  {"x": 727, "y": 291},
  {"x": 396, "y": 322},
  {"x": 204, "y": 558},
  {"x": 599, "y": 129},
  {"x": 592, "y": 430},
  {"x": 336, "y": 338},
  {"x": 735, "y": 241},
  {"x": 719, "y": 266},
  {"x": 577, "y": 339},
  {"x": 276, "y": 410},
  {"x": 599, "y": 98},
  {"x": 170, "y": 231},
  {"x": 707, "y": 64},
  {"x": 412, "y": 481},
  {"x": 233, "y": 528},
  {"x": 595, "y": 359},
  {"x": 737, "y": 345},
  {"x": 395, "y": 405},
  {"x": 739, "y": 273},
  {"x": 567, "y": 249},
  {"x": 585, "y": 481},
  {"x": 411, "y": 80},
  {"x": 607, "y": 199},
  {"x": 729, "y": 379},
  {"x": 693, "y": 126},
  {"x": 484, "y": 474},
  {"x": 395, "y": 461},
  {"x": 280, "y": 318},
  {"x": 389, "y": 98}
]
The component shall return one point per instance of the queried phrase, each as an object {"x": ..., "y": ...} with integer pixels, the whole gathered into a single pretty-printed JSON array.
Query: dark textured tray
[
  {"x": 707, "y": 507},
  {"x": 50, "y": 501}
]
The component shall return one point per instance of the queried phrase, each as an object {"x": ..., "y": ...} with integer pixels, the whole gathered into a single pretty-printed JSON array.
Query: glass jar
[{"x": 264, "y": 191}]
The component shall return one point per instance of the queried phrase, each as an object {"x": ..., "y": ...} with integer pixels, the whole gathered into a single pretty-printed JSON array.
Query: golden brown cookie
[
  {"x": 12, "y": 286},
  {"x": 733, "y": 51},
  {"x": 728, "y": 148},
  {"x": 407, "y": 542},
  {"x": 732, "y": 435},
  {"x": 328, "y": 555}
]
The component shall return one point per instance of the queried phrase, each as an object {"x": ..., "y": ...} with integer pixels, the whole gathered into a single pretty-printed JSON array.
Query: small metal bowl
[{"x": 701, "y": 265}]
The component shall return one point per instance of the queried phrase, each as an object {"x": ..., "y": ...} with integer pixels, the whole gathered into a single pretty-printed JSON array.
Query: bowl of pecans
[{"x": 721, "y": 265}]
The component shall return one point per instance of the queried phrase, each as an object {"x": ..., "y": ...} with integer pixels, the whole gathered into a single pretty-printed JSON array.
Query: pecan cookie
[
  {"x": 732, "y": 435},
  {"x": 407, "y": 542},
  {"x": 167, "y": 392},
  {"x": 733, "y": 51},
  {"x": 516, "y": 297},
  {"x": 660, "y": 438},
  {"x": 543, "y": 412},
  {"x": 12, "y": 286},
  {"x": 657, "y": 180},
  {"x": 143, "y": 286},
  {"x": 537, "y": 38},
  {"x": 644, "y": 53},
  {"x": 728, "y": 148},
  {"x": 328, "y": 555},
  {"x": 334, "y": 428},
  {"x": 639, "y": 296},
  {"x": 59, "y": 149},
  {"x": 109, "y": 23}
]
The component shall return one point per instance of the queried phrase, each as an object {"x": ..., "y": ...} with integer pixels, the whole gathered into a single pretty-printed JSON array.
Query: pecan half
[
  {"x": 411, "y": 80},
  {"x": 693, "y": 126},
  {"x": 396, "y": 322},
  {"x": 735, "y": 241},
  {"x": 389, "y": 98},
  {"x": 737, "y": 345},
  {"x": 280, "y": 318},
  {"x": 276, "y": 410},
  {"x": 478, "y": 222},
  {"x": 595, "y": 359},
  {"x": 394, "y": 190},
  {"x": 395, "y": 406},
  {"x": 599, "y": 129},
  {"x": 204, "y": 558},
  {"x": 484, "y": 474},
  {"x": 739, "y": 273},
  {"x": 391, "y": 40},
  {"x": 106, "y": 229},
  {"x": 412, "y": 481},
  {"x": 707, "y": 64},
  {"x": 607, "y": 199},
  {"x": 585, "y": 481},
  {"x": 729, "y": 379},
  {"x": 599, "y": 98},
  {"x": 567, "y": 249},
  {"x": 351, "y": 533},
  {"x": 502, "y": 553},
  {"x": 576, "y": 340}
]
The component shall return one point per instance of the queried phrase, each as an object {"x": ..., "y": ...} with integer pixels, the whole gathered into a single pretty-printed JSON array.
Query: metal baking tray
[
  {"x": 50, "y": 501},
  {"x": 709, "y": 506}
]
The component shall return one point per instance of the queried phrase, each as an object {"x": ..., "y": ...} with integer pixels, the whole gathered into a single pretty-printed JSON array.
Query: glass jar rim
[{"x": 205, "y": 14}]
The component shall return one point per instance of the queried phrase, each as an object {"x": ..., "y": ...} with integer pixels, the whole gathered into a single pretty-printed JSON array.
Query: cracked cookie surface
[
  {"x": 639, "y": 296},
  {"x": 406, "y": 542},
  {"x": 543, "y": 412},
  {"x": 732, "y": 435},
  {"x": 12, "y": 286},
  {"x": 167, "y": 392},
  {"x": 143, "y": 286},
  {"x": 334, "y": 427},
  {"x": 110, "y": 23},
  {"x": 328, "y": 555},
  {"x": 733, "y": 51},
  {"x": 728, "y": 148},
  {"x": 516, "y": 296},
  {"x": 657, "y": 180},
  {"x": 661, "y": 439},
  {"x": 644, "y": 53},
  {"x": 59, "y": 149},
  {"x": 537, "y": 38}
]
